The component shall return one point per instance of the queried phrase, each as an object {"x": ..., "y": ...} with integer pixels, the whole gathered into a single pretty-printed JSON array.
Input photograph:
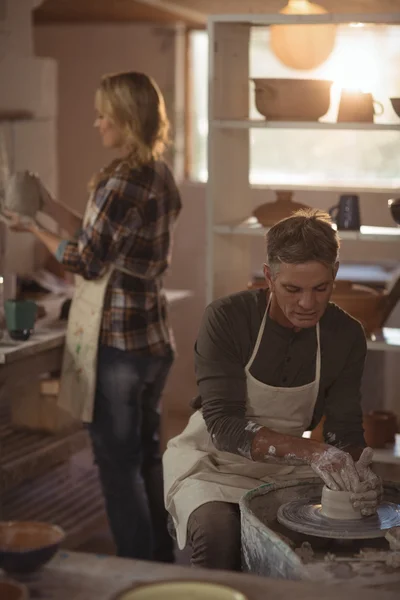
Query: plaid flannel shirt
[{"x": 130, "y": 225}]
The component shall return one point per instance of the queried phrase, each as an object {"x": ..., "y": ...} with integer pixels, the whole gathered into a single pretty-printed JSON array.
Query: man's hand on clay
[
  {"x": 369, "y": 492},
  {"x": 336, "y": 468}
]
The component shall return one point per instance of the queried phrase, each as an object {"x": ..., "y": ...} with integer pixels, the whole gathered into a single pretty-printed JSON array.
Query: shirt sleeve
[
  {"x": 221, "y": 379},
  {"x": 343, "y": 423},
  {"x": 116, "y": 215}
]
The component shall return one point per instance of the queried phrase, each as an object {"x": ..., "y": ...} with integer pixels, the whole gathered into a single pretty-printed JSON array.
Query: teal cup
[{"x": 20, "y": 318}]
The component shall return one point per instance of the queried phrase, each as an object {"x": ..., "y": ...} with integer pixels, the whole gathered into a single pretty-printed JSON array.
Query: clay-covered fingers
[
  {"x": 365, "y": 459},
  {"x": 337, "y": 469},
  {"x": 367, "y": 501}
]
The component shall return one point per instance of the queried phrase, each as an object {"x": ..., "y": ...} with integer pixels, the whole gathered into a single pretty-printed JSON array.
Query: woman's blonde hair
[{"x": 134, "y": 102}]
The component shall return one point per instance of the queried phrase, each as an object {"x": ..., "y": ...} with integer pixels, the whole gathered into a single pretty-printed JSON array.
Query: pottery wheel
[{"x": 306, "y": 517}]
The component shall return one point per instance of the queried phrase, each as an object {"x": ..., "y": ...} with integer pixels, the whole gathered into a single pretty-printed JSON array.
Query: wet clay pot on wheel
[
  {"x": 380, "y": 428},
  {"x": 337, "y": 505},
  {"x": 271, "y": 212}
]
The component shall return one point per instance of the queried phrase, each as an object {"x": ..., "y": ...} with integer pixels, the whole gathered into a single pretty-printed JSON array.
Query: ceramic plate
[
  {"x": 181, "y": 590},
  {"x": 307, "y": 518}
]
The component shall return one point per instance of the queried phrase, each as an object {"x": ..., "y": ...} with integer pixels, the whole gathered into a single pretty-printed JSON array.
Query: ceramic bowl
[
  {"x": 337, "y": 505},
  {"x": 27, "y": 545},
  {"x": 292, "y": 99},
  {"x": 11, "y": 590},
  {"x": 394, "y": 207},
  {"x": 396, "y": 105},
  {"x": 181, "y": 590},
  {"x": 23, "y": 194}
]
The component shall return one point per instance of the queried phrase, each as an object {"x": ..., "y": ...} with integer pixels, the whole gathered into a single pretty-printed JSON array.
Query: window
[{"x": 365, "y": 58}]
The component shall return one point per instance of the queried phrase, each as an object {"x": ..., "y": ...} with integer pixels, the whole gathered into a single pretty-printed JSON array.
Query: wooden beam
[
  {"x": 122, "y": 11},
  {"x": 181, "y": 12},
  {"x": 209, "y": 7}
]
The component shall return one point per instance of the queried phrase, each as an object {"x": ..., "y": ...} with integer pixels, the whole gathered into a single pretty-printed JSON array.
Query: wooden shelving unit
[{"x": 229, "y": 229}]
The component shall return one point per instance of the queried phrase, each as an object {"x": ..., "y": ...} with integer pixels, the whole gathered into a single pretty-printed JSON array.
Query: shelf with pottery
[
  {"x": 389, "y": 455},
  {"x": 367, "y": 233},
  {"x": 387, "y": 186},
  {"x": 264, "y": 124},
  {"x": 230, "y": 198}
]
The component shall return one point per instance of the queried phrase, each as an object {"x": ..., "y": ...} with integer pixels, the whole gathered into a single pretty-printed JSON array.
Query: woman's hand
[
  {"x": 17, "y": 223},
  {"x": 369, "y": 492},
  {"x": 336, "y": 469}
]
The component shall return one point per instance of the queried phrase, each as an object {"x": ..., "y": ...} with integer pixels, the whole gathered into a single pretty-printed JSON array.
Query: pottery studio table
[{"x": 79, "y": 576}]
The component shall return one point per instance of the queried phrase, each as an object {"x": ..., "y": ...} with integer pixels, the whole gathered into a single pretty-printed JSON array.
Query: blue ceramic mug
[
  {"x": 346, "y": 214},
  {"x": 20, "y": 318}
]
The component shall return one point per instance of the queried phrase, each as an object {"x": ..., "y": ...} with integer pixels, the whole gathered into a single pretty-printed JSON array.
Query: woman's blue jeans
[{"x": 126, "y": 445}]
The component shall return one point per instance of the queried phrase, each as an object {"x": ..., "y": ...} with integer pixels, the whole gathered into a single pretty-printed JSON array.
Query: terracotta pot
[
  {"x": 12, "y": 590},
  {"x": 380, "y": 428},
  {"x": 292, "y": 99},
  {"x": 271, "y": 212},
  {"x": 369, "y": 306},
  {"x": 362, "y": 302}
]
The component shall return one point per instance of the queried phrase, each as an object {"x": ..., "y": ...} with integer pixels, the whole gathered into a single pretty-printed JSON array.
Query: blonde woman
[{"x": 119, "y": 347}]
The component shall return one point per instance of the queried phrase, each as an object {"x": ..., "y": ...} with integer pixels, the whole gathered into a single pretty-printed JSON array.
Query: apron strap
[{"x": 258, "y": 342}]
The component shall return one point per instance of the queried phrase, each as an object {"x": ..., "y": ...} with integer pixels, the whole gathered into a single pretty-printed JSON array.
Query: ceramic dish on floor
[
  {"x": 27, "y": 545},
  {"x": 11, "y": 590},
  {"x": 180, "y": 590}
]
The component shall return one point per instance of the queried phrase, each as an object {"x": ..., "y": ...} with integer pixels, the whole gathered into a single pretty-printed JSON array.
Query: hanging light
[{"x": 302, "y": 46}]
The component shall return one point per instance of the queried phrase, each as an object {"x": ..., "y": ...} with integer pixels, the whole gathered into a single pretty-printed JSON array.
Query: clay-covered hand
[
  {"x": 336, "y": 468},
  {"x": 368, "y": 494}
]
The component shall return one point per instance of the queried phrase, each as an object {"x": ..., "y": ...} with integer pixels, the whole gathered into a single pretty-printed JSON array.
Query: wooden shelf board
[
  {"x": 351, "y": 186},
  {"x": 16, "y": 115},
  {"x": 367, "y": 233},
  {"x": 388, "y": 455},
  {"x": 264, "y": 124}
]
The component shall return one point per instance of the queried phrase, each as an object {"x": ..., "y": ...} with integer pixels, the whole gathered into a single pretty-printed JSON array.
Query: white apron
[
  {"x": 79, "y": 366},
  {"x": 195, "y": 472}
]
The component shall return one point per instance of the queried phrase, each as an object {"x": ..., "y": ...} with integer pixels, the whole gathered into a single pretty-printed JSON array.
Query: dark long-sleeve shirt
[{"x": 285, "y": 358}]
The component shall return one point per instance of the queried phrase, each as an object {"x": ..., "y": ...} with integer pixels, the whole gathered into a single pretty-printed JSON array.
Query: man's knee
[{"x": 214, "y": 535}]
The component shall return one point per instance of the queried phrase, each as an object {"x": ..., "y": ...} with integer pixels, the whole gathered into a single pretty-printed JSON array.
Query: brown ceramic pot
[
  {"x": 380, "y": 428},
  {"x": 271, "y": 212},
  {"x": 11, "y": 590}
]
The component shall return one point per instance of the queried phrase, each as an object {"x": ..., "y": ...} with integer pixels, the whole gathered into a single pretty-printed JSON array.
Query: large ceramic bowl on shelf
[
  {"x": 369, "y": 306},
  {"x": 292, "y": 99}
]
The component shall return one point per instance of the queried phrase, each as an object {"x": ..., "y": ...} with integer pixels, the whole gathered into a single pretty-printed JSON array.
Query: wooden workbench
[{"x": 78, "y": 576}]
